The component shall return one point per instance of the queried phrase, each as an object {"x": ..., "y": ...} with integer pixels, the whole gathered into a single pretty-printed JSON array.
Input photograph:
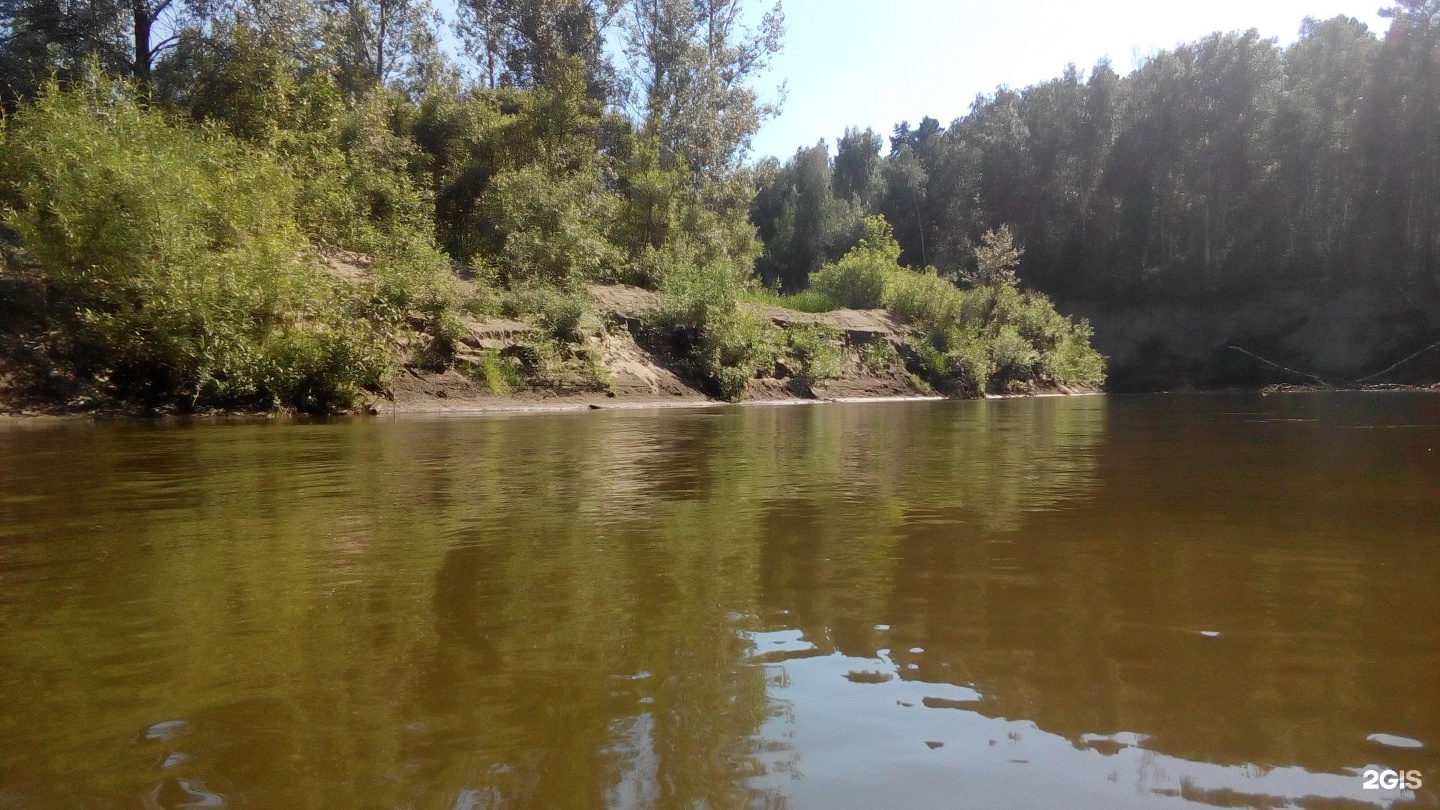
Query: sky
[{"x": 877, "y": 62}]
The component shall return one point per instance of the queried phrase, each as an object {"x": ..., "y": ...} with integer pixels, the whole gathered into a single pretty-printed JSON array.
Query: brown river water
[{"x": 1098, "y": 602}]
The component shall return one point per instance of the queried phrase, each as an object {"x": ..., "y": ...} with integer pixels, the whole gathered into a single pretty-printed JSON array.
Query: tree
[
  {"x": 689, "y": 61},
  {"x": 126, "y": 37},
  {"x": 857, "y": 165},
  {"x": 801, "y": 220},
  {"x": 389, "y": 43},
  {"x": 996, "y": 258},
  {"x": 917, "y": 138},
  {"x": 903, "y": 204},
  {"x": 1314, "y": 139},
  {"x": 521, "y": 42},
  {"x": 1402, "y": 113}
]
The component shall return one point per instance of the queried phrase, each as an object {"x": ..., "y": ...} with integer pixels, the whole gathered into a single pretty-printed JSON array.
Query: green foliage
[
  {"x": 555, "y": 135},
  {"x": 804, "y": 218},
  {"x": 175, "y": 266},
  {"x": 679, "y": 229},
  {"x": 817, "y": 350},
  {"x": 691, "y": 65},
  {"x": 858, "y": 279},
  {"x": 357, "y": 192},
  {"x": 879, "y": 356},
  {"x": 993, "y": 337},
  {"x": 733, "y": 347},
  {"x": 803, "y": 301},
  {"x": 721, "y": 342},
  {"x": 533, "y": 187},
  {"x": 242, "y": 77},
  {"x": 924, "y": 298},
  {"x": 1223, "y": 171},
  {"x": 996, "y": 257},
  {"x": 810, "y": 301},
  {"x": 502, "y": 375},
  {"x": 552, "y": 229},
  {"x": 556, "y": 310}
]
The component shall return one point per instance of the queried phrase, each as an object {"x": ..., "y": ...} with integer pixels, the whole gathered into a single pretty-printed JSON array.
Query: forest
[
  {"x": 276, "y": 203},
  {"x": 1226, "y": 190}
]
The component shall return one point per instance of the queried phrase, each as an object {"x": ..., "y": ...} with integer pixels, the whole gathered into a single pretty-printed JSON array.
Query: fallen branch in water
[
  {"x": 1397, "y": 365},
  {"x": 1359, "y": 384},
  {"x": 1282, "y": 368}
]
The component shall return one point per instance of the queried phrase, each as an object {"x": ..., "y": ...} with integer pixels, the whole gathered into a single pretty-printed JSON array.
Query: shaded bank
[{"x": 1297, "y": 338}]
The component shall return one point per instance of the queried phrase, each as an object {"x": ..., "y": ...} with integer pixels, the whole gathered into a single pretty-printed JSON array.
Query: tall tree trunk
[{"x": 144, "y": 20}]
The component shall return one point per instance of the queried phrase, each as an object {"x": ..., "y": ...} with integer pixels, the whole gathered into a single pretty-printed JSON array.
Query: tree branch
[
  {"x": 1397, "y": 365},
  {"x": 1280, "y": 367}
]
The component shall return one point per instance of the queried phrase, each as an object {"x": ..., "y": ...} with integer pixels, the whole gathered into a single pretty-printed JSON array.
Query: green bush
[
  {"x": 878, "y": 356},
  {"x": 357, "y": 192},
  {"x": 174, "y": 264},
  {"x": 733, "y": 347},
  {"x": 552, "y": 229},
  {"x": 721, "y": 342},
  {"x": 817, "y": 351},
  {"x": 924, "y": 298},
  {"x": 991, "y": 337},
  {"x": 557, "y": 311},
  {"x": 1012, "y": 357},
  {"x": 500, "y": 374},
  {"x": 858, "y": 280}
]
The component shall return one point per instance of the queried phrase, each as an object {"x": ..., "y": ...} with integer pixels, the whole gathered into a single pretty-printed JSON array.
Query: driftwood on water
[{"x": 1322, "y": 384}]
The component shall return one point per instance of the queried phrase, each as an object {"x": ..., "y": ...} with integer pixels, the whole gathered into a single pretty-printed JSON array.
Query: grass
[{"x": 803, "y": 301}]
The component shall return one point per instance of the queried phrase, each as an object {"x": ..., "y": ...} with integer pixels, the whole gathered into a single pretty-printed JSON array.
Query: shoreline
[
  {"x": 498, "y": 406},
  {"x": 584, "y": 403}
]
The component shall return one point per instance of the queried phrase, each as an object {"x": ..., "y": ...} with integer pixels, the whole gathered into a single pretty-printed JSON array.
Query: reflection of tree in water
[
  {"x": 520, "y": 612},
  {"x": 1281, "y": 545}
]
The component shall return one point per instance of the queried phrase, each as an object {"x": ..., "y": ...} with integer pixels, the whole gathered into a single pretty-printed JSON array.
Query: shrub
[
  {"x": 1012, "y": 357},
  {"x": 721, "y": 343},
  {"x": 879, "y": 356},
  {"x": 990, "y": 337},
  {"x": 954, "y": 359},
  {"x": 733, "y": 347},
  {"x": 858, "y": 280},
  {"x": 924, "y": 298},
  {"x": 557, "y": 311},
  {"x": 173, "y": 259},
  {"x": 816, "y": 349},
  {"x": 553, "y": 230},
  {"x": 500, "y": 374}
]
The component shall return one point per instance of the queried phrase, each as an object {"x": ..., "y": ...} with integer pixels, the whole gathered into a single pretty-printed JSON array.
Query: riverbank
[
  {"x": 635, "y": 369},
  {"x": 632, "y": 368},
  {"x": 1341, "y": 340}
]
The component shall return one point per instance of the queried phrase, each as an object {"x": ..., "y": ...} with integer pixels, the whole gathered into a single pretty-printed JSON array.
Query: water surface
[{"x": 1187, "y": 601}]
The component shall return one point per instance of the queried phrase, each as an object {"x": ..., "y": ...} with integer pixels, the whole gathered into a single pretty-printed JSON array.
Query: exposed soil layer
[
  {"x": 637, "y": 375},
  {"x": 629, "y": 368}
]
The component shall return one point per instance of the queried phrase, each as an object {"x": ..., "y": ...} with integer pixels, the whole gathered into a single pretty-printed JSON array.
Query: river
[{"x": 1096, "y": 602}]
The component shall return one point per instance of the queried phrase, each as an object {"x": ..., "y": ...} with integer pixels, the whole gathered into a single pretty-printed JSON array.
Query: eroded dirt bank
[
  {"x": 631, "y": 364},
  {"x": 638, "y": 371}
]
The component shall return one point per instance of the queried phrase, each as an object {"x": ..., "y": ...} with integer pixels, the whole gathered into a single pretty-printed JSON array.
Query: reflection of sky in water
[
  {"x": 834, "y": 740},
  {"x": 1131, "y": 598}
]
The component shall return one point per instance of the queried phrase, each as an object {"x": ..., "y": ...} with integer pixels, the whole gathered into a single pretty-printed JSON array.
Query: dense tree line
[
  {"x": 162, "y": 158},
  {"x": 226, "y": 134},
  {"x": 1221, "y": 169}
]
